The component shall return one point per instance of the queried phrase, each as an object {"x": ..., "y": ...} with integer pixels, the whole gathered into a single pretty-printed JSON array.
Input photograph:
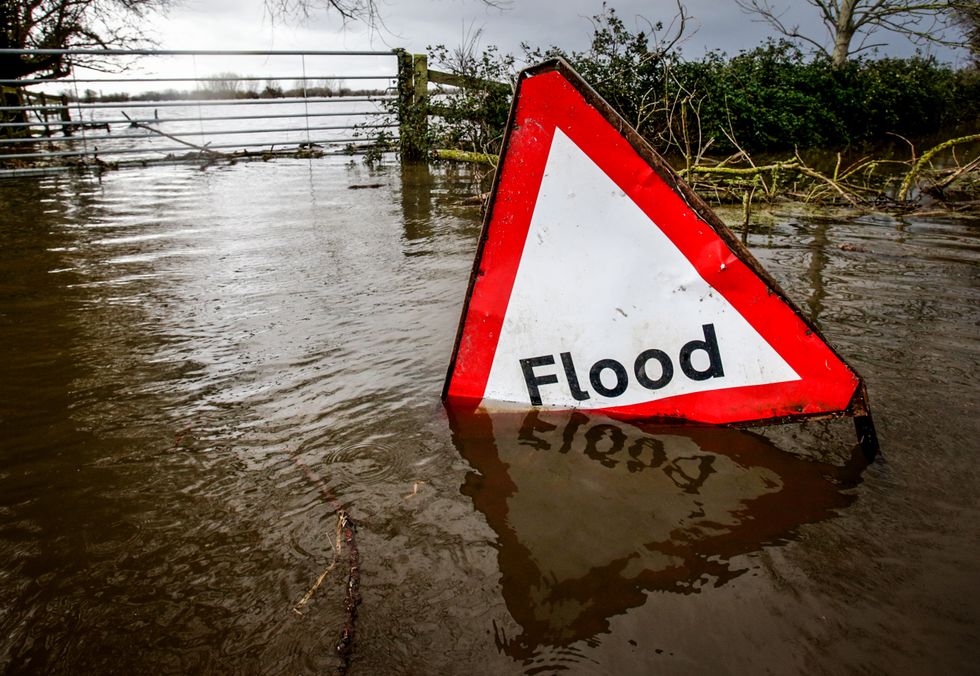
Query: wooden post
[
  {"x": 44, "y": 114},
  {"x": 7, "y": 99},
  {"x": 413, "y": 103},
  {"x": 405, "y": 95},
  {"x": 405, "y": 80},
  {"x": 420, "y": 92},
  {"x": 65, "y": 116}
]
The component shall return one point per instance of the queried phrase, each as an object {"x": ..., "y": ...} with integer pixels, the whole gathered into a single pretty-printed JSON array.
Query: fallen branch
[
  {"x": 941, "y": 185},
  {"x": 465, "y": 156},
  {"x": 740, "y": 171},
  {"x": 140, "y": 125},
  {"x": 346, "y": 530},
  {"x": 333, "y": 564},
  {"x": 903, "y": 191},
  {"x": 746, "y": 212},
  {"x": 352, "y": 595},
  {"x": 803, "y": 169}
]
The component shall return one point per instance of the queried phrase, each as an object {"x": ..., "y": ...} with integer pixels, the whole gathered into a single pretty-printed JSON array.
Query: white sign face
[{"x": 606, "y": 311}]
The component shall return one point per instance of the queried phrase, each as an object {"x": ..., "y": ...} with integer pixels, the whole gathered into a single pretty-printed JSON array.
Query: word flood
[{"x": 641, "y": 364}]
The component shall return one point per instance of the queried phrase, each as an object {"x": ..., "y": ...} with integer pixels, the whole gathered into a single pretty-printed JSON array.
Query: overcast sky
[{"x": 414, "y": 24}]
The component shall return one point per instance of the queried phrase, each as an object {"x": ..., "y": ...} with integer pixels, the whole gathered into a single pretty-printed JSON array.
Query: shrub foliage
[{"x": 770, "y": 98}]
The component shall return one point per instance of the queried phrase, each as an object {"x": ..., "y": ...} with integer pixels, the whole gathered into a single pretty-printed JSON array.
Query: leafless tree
[
  {"x": 968, "y": 19},
  {"x": 849, "y": 24},
  {"x": 62, "y": 24},
  {"x": 349, "y": 10},
  {"x": 221, "y": 85}
]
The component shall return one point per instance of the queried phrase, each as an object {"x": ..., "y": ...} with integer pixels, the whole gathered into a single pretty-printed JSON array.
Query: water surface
[{"x": 200, "y": 368}]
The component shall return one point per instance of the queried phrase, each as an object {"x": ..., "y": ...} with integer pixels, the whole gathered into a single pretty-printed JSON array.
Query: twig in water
[
  {"x": 953, "y": 175},
  {"x": 179, "y": 437},
  {"x": 352, "y": 599},
  {"x": 903, "y": 191},
  {"x": 802, "y": 168},
  {"x": 415, "y": 490},
  {"x": 746, "y": 211},
  {"x": 346, "y": 530},
  {"x": 323, "y": 576}
]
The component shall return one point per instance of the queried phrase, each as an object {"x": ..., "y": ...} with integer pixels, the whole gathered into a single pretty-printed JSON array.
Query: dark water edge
[{"x": 184, "y": 349}]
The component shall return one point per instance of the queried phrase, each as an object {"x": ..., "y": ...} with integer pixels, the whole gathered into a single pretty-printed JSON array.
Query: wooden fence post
[
  {"x": 44, "y": 114},
  {"x": 413, "y": 104},
  {"x": 404, "y": 84},
  {"x": 10, "y": 97},
  {"x": 420, "y": 93},
  {"x": 65, "y": 116}
]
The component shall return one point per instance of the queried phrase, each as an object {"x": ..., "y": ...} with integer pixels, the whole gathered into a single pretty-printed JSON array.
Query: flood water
[{"x": 201, "y": 368}]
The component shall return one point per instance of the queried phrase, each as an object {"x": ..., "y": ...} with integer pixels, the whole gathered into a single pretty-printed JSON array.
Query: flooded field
[{"x": 201, "y": 368}]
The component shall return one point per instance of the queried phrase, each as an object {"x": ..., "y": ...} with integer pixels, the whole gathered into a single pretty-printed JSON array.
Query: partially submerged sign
[{"x": 602, "y": 282}]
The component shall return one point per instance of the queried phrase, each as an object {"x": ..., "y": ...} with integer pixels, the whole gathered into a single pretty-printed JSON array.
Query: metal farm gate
[{"x": 142, "y": 106}]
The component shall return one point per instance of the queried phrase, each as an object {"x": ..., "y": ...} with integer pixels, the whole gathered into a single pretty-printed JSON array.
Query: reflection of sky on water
[{"x": 591, "y": 513}]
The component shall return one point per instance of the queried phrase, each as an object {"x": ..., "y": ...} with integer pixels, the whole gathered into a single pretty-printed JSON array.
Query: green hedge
[{"x": 771, "y": 98}]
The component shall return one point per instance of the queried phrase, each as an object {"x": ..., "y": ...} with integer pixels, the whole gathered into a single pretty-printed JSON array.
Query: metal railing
[{"x": 179, "y": 105}]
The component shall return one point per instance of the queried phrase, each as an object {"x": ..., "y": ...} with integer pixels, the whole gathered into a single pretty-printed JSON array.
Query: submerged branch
[
  {"x": 333, "y": 564},
  {"x": 868, "y": 183},
  {"x": 140, "y": 125},
  {"x": 903, "y": 191},
  {"x": 465, "y": 156},
  {"x": 740, "y": 171}
]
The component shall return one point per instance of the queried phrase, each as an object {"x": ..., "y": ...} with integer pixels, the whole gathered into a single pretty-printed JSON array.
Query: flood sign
[{"x": 602, "y": 282}]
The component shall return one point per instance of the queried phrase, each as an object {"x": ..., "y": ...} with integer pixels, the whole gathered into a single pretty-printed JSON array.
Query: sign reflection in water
[{"x": 592, "y": 513}]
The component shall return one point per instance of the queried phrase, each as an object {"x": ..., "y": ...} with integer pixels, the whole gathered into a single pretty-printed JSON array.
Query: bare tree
[
  {"x": 968, "y": 19},
  {"x": 302, "y": 10},
  {"x": 62, "y": 24},
  {"x": 849, "y": 24},
  {"x": 349, "y": 10},
  {"x": 225, "y": 85}
]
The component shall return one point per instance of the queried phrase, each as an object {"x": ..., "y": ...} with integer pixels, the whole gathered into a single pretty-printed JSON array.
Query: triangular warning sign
[{"x": 602, "y": 282}]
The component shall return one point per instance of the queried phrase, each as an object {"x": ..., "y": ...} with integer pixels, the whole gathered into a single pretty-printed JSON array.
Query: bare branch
[
  {"x": 365, "y": 11},
  {"x": 851, "y": 22},
  {"x": 58, "y": 24}
]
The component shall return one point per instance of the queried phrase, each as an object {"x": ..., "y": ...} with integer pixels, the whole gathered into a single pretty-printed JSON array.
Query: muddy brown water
[{"x": 200, "y": 367}]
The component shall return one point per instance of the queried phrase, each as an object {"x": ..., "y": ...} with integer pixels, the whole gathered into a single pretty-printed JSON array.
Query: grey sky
[{"x": 414, "y": 24}]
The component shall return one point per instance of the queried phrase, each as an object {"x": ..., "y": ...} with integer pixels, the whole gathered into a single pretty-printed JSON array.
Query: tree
[
  {"x": 364, "y": 10},
  {"x": 847, "y": 21},
  {"x": 631, "y": 68},
  {"x": 67, "y": 24},
  {"x": 224, "y": 85},
  {"x": 349, "y": 10},
  {"x": 968, "y": 19}
]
